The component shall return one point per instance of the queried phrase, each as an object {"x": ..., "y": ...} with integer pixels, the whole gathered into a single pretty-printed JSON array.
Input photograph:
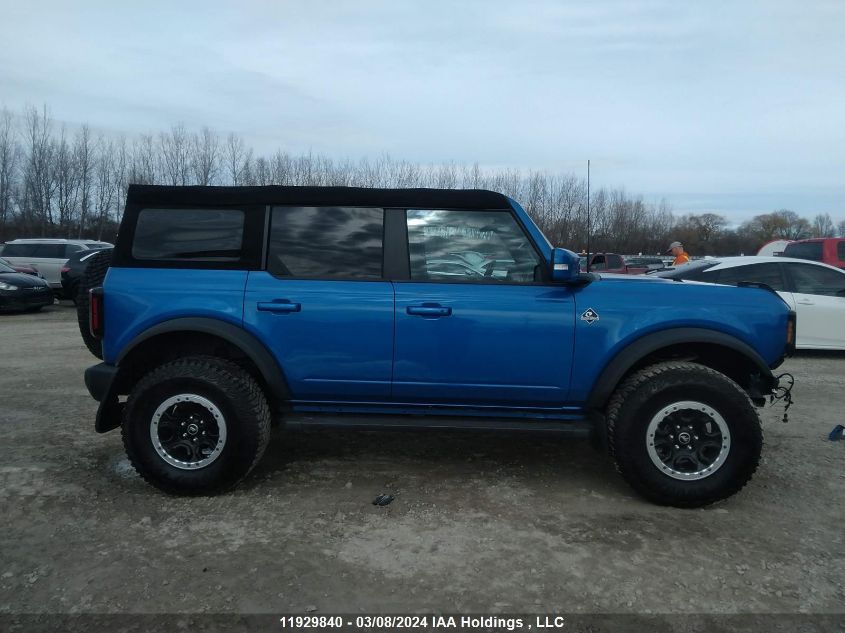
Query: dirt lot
[{"x": 481, "y": 523}]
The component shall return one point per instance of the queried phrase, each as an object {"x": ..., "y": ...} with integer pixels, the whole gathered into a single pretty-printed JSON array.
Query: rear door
[
  {"x": 819, "y": 294},
  {"x": 322, "y": 305},
  {"x": 491, "y": 335}
]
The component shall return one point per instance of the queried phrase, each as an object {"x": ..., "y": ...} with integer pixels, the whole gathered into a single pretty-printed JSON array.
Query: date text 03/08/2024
[{"x": 433, "y": 622}]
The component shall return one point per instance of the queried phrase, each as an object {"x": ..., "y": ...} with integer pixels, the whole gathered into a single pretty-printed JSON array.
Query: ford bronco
[{"x": 223, "y": 308}]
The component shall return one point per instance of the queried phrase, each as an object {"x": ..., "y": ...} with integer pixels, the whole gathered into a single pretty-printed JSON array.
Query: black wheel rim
[
  {"x": 688, "y": 440},
  {"x": 188, "y": 431}
]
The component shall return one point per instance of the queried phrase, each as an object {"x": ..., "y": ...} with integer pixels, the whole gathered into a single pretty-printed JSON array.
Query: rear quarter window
[
  {"x": 194, "y": 235},
  {"x": 840, "y": 251}
]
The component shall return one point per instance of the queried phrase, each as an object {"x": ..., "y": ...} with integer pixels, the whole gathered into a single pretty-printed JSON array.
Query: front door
[
  {"x": 474, "y": 324},
  {"x": 819, "y": 295}
]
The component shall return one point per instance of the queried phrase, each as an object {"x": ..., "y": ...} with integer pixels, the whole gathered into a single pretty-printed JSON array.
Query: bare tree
[
  {"x": 84, "y": 182},
  {"x": 67, "y": 181},
  {"x": 261, "y": 173},
  {"x": 174, "y": 154},
  {"x": 235, "y": 157},
  {"x": 38, "y": 183},
  {"x": 823, "y": 226},
  {"x": 9, "y": 157},
  {"x": 119, "y": 182},
  {"x": 205, "y": 158},
  {"x": 841, "y": 229},
  {"x": 795, "y": 227},
  {"x": 84, "y": 150},
  {"x": 144, "y": 165},
  {"x": 105, "y": 190}
]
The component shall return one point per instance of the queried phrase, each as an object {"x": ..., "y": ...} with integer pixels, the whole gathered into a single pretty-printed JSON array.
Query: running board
[{"x": 302, "y": 421}]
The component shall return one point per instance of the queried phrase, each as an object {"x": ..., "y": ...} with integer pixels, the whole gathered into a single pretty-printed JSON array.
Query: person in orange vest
[{"x": 677, "y": 249}]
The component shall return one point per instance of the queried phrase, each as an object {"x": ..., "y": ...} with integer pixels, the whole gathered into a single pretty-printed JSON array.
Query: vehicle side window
[
  {"x": 469, "y": 246},
  {"x": 816, "y": 280},
  {"x": 200, "y": 235},
  {"x": 598, "y": 263},
  {"x": 840, "y": 251},
  {"x": 804, "y": 250},
  {"x": 326, "y": 242},
  {"x": 19, "y": 250},
  {"x": 769, "y": 274},
  {"x": 50, "y": 251},
  {"x": 614, "y": 262}
]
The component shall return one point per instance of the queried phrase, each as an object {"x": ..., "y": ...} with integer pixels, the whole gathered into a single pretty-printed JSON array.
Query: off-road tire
[
  {"x": 642, "y": 396},
  {"x": 237, "y": 396},
  {"x": 93, "y": 277}
]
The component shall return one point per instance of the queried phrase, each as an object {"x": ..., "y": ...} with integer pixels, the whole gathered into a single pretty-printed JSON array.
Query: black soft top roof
[{"x": 157, "y": 195}]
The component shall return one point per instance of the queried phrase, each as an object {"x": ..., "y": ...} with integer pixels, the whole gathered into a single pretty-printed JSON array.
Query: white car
[
  {"x": 814, "y": 290},
  {"x": 46, "y": 255}
]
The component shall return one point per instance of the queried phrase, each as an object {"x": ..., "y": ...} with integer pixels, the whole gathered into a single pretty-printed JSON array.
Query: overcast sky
[{"x": 734, "y": 107}]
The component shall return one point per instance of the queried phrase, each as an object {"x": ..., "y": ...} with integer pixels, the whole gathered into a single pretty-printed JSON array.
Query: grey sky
[{"x": 735, "y": 107}]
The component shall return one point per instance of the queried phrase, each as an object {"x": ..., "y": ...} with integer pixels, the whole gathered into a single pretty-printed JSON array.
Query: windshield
[{"x": 6, "y": 269}]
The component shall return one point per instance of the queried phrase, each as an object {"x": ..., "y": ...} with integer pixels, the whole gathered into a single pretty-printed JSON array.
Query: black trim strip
[
  {"x": 156, "y": 195},
  {"x": 397, "y": 266}
]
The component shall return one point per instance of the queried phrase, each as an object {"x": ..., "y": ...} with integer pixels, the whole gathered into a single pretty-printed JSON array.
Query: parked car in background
[
  {"x": 47, "y": 255},
  {"x": 828, "y": 250},
  {"x": 611, "y": 263},
  {"x": 27, "y": 270},
  {"x": 73, "y": 269},
  {"x": 649, "y": 263},
  {"x": 19, "y": 291},
  {"x": 773, "y": 248},
  {"x": 814, "y": 290}
]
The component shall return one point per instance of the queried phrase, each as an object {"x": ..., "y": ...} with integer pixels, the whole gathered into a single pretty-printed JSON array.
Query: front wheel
[
  {"x": 196, "y": 425},
  {"x": 683, "y": 434}
]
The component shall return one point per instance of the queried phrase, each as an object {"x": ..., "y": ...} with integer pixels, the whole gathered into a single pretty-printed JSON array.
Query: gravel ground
[{"x": 481, "y": 522}]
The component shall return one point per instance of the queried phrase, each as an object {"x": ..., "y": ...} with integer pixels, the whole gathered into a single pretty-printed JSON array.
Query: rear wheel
[
  {"x": 683, "y": 434},
  {"x": 196, "y": 425},
  {"x": 92, "y": 277}
]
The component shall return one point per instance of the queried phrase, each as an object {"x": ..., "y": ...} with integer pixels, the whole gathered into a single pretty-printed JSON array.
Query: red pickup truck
[
  {"x": 828, "y": 250},
  {"x": 613, "y": 263}
]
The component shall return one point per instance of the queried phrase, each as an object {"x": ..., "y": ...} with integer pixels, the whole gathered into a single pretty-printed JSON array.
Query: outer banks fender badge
[{"x": 590, "y": 316}]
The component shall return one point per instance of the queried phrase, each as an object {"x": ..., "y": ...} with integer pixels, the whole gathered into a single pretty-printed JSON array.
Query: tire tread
[
  {"x": 658, "y": 375},
  {"x": 225, "y": 375}
]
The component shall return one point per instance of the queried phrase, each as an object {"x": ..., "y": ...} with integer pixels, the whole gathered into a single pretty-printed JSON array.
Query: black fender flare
[
  {"x": 249, "y": 344},
  {"x": 627, "y": 357}
]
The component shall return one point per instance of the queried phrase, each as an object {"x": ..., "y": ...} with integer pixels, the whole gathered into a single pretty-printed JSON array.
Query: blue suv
[{"x": 224, "y": 308}]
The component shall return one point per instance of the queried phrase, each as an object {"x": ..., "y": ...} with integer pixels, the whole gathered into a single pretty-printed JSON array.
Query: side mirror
[{"x": 565, "y": 265}]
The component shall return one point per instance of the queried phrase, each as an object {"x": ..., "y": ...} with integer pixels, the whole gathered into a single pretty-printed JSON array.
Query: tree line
[{"x": 57, "y": 183}]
